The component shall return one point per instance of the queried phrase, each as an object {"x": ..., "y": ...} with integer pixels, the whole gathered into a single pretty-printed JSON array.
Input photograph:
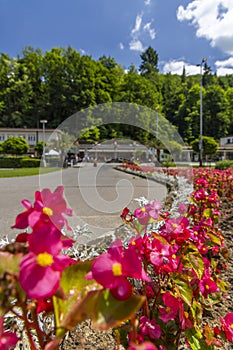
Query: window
[{"x": 31, "y": 137}]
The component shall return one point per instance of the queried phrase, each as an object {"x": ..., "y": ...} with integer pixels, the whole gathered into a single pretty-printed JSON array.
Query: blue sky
[{"x": 181, "y": 31}]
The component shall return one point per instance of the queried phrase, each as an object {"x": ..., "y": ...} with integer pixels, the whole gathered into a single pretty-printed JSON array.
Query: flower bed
[{"x": 153, "y": 289}]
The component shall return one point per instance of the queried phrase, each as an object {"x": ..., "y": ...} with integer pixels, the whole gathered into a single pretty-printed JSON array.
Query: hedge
[
  {"x": 19, "y": 162},
  {"x": 224, "y": 164}
]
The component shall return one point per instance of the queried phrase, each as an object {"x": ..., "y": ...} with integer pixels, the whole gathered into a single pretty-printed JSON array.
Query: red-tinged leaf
[
  {"x": 183, "y": 289},
  {"x": 197, "y": 263},
  {"x": 111, "y": 312},
  {"x": 210, "y": 336},
  {"x": 73, "y": 284},
  {"x": 79, "y": 311}
]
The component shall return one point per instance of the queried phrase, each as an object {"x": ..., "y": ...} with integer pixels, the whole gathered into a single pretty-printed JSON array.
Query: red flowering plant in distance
[{"x": 152, "y": 290}]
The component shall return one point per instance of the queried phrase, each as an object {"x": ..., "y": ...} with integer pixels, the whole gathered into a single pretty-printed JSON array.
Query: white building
[
  {"x": 32, "y": 136},
  {"x": 226, "y": 141}
]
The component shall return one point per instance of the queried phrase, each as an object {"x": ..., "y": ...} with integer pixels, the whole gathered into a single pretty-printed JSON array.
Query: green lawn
[{"x": 26, "y": 171}]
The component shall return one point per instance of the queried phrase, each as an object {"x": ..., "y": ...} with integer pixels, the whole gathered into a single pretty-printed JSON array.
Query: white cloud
[
  {"x": 212, "y": 20},
  {"x": 121, "y": 45},
  {"x": 151, "y": 31},
  {"x": 138, "y": 33},
  {"x": 224, "y": 67},
  {"x": 147, "y": 2},
  {"x": 176, "y": 67},
  {"x": 136, "y": 45},
  {"x": 137, "y": 26}
]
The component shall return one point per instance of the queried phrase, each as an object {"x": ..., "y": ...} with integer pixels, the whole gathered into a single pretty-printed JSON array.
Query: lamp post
[
  {"x": 201, "y": 115},
  {"x": 43, "y": 122},
  {"x": 157, "y": 122}
]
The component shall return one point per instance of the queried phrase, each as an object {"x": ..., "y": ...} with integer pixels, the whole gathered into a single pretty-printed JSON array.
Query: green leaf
[
  {"x": 207, "y": 213},
  {"x": 9, "y": 262},
  {"x": 111, "y": 312},
  {"x": 222, "y": 285},
  {"x": 215, "y": 239},
  {"x": 183, "y": 288},
  {"x": 196, "y": 261},
  {"x": 86, "y": 299},
  {"x": 73, "y": 284},
  {"x": 196, "y": 341}
]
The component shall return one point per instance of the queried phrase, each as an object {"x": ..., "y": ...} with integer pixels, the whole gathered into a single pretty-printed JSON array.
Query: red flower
[
  {"x": 112, "y": 269},
  {"x": 172, "y": 306},
  {"x": 48, "y": 207},
  {"x": 8, "y": 340},
  {"x": 227, "y": 326},
  {"x": 144, "y": 346},
  {"x": 41, "y": 268},
  {"x": 149, "y": 328}
]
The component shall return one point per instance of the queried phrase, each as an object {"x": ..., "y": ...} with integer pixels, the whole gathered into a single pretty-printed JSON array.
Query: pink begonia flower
[
  {"x": 163, "y": 257},
  {"x": 182, "y": 209},
  {"x": 8, "y": 340},
  {"x": 227, "y": 326},
  {"x": 149, "y": 328},
  {"x": 41, "y": 268},
  {"x": 111, "y": 270},
  {"x": 142, "y": 214},
  {"x": 48, "y": 207},
  {"x": 150, "y": 210},
  {"x": 172, "y": 306},
  {"x": 207, "y": 286},
  {"x": 155, "y": 209},
  {"x": 143, "y": 346}
]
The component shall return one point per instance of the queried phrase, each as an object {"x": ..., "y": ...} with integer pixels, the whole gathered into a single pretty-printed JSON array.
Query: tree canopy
[{"x": 55, "y": 84}]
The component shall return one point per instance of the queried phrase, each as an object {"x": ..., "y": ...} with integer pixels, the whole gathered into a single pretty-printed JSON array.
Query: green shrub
[
  {"x": 19, "y": 162},
  {"x": 30, "y": 163},
  {"x": 224, "y": 164},
  {"x": 10, "y": 162}
]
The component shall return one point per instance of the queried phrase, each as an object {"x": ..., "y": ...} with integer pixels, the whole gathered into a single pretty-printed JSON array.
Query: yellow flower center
[
  {"x": 133, "y": 243},
  {"x": 44, "y": 259},
  {"x": 47, "y": 211},
  {"x": 231, "y": 325},
  {"x": 117, "y": 269},
  {"x": 173, "y": 256},
  {"x": 143, "y": 209}
]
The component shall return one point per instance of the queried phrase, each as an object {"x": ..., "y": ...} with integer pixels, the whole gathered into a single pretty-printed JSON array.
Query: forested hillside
[{"x": 60, "y": 82}]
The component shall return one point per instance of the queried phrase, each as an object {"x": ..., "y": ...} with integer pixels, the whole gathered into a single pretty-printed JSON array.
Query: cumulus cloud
[
  {"x": 224, "y": 67},
  {"x": 151, "y": 31},
  {"x": 147, "y": 2},
  {"x": 212, "y": 20},
  {"x": 176, "y": 67},
  {"x": 136, "y": 45}
]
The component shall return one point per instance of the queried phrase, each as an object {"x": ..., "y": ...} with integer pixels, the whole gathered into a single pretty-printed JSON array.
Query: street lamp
[
  {"x": 157, "y": 122},
  {"x": 43, "y": 122},
  {"x": 201, "y": 115}
]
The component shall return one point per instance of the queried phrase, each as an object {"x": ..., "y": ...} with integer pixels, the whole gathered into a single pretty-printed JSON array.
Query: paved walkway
[{"x": 96, "y": 194}]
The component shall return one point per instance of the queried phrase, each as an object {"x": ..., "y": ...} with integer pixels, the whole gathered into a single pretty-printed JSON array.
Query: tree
[
  {"x": 15, "y": 145},
  {"x": 149, "y": 61},
  {"x": 39, "y": 148},
  {"x": 210, "y": 146}
]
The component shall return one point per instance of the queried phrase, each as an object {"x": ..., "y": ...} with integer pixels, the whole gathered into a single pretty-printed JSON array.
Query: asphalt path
[{"x": 96, "y": 195}]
